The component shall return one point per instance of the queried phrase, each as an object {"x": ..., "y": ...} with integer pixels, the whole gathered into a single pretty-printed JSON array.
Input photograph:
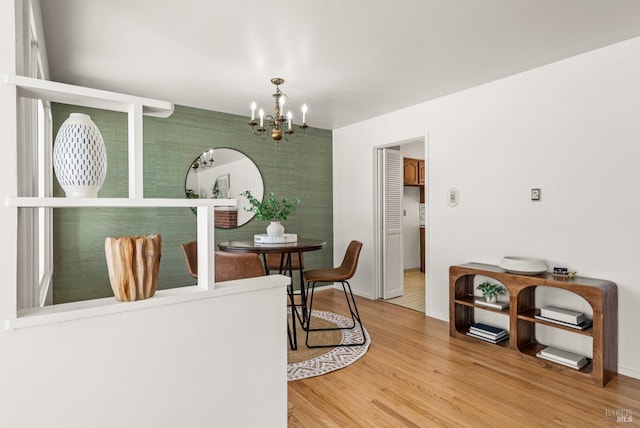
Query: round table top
[{"x": 289, "y": 247}]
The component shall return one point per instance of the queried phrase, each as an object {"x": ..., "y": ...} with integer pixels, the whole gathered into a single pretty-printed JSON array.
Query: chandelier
[
  {"x": 205, "y": 160},
  {"x": 278, "y": 125}
]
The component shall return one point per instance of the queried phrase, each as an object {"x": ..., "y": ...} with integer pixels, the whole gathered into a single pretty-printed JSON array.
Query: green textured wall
[{"x": 301, "y": 168}]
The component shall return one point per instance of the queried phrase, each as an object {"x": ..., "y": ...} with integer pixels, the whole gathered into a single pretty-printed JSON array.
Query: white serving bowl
[{"x": 523, "y": 265}]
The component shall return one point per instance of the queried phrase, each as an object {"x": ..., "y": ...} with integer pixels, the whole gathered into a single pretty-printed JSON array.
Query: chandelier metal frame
[
  {"x": 204, "y": 161},
  {"x": 276, "y": 123}
]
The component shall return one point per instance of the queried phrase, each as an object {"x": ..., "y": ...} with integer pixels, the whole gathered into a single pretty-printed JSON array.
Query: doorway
[
  {"x": 408, "y": 266},
  {"x": 414, "y": 291}
]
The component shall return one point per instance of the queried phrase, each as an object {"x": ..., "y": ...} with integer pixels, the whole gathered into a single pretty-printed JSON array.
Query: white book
[
  {"x": 561, "y": 314},
  {"x": 563, "y": 363},
  {"x": 497, "y": 305},
  {"x": 582, "y": 326},
  {"x": 577, "y": 365},
  {"x": 266, "y": 239},
  {"x": 562, "y": 355}
]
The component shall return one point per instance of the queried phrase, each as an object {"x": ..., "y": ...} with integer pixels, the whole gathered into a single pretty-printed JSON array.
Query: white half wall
[
  {"x": 218, "y": 361},
  {"x": 571, "y": 128}
]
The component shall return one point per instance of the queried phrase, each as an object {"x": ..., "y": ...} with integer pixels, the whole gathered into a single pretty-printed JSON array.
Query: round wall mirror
[{"x": 224, "y": 173}]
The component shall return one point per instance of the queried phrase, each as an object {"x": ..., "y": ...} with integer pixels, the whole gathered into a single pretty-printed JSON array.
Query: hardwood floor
[
  {"x": 413, "y": 297},
  {"x": 415, "y": 375}
]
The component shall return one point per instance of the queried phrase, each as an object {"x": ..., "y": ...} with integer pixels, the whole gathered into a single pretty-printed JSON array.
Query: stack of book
[
  {"x": 565, "y": 358},
  {"x": 564, "y": 317},
  {"x": 487, "y": 333}
]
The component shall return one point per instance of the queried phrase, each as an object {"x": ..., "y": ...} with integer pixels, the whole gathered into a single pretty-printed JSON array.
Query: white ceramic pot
[
  {"x": 275, "y": 228},
  {"x": 492, "y": 299},
  {"x": 80, "y": 157}
]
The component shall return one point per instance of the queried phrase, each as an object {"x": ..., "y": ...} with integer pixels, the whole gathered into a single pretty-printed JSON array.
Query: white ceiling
[{"x": 348, "y": 60}]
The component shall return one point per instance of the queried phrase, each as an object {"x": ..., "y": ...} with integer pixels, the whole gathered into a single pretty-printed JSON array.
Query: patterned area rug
[{"x": 305, "y": 362}]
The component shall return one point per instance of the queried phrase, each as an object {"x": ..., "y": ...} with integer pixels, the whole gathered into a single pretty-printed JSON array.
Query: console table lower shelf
[{"x": 601, "y": 295}]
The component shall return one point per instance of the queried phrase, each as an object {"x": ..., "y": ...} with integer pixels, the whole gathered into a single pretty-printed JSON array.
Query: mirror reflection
[{"x": 223, "y": 173}]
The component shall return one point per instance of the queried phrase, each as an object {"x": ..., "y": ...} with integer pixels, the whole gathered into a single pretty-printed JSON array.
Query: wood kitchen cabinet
[
  {"x": 410, "y": 172},
  {"x": 413, "y": 172}
]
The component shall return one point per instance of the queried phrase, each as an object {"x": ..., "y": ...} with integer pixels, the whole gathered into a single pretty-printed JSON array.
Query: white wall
[
  {"x": 185, "y": 364},
  {"x": 8, "y": 217},
  {"x": 571, "y": 128}
]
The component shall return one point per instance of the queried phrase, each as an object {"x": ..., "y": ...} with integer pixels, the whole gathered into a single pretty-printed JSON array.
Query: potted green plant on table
[
  {"x": 272, "y": 209},
  {"x": 490, "y": 292}
]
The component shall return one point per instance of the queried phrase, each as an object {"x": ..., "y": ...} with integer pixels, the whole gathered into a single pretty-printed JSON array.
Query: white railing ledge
[
  {"x": 61, "y": 202},
  {"x": 107, "y": 306},
  {"x": 87, "y": 97}
]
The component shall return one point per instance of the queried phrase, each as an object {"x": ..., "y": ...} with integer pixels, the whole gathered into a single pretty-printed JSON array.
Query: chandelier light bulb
[
  {"x": 282, "y": 99},
  {"x": 304, "y": 113},
  {"x": 289, "y": 116},
  {"x": 261, "y": 113},
  {"x": 253, "y": 111}
]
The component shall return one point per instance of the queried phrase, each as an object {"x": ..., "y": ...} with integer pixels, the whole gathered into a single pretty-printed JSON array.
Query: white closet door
[{"x": 392, "y": 184}]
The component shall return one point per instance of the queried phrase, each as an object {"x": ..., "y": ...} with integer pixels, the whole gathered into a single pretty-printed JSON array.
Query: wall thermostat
[
  {"x": 535, "y": 194},
  {"x": 453, "y": 197}
]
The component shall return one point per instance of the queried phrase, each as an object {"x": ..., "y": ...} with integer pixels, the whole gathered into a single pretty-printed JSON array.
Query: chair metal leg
[
  {"x": 291, "y": 331},
  {"x": 285, "y": 266},
  {"x": 303, "y": 294},
  {"x": 292, "y": 339},
  {"x": 353, "y": 310}
]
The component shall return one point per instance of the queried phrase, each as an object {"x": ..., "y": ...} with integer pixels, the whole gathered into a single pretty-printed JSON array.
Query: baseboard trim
[{"x": 628, "y": 371}]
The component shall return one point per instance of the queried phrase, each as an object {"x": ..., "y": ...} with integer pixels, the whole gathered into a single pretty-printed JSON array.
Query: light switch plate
[{"x": 453, "y": 197}]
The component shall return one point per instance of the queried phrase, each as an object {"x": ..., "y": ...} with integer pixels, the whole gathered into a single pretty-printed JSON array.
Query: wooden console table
[{"x": 600, "y": 294}]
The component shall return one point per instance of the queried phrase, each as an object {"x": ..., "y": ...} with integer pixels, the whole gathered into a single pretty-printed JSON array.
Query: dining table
[{"x": 287, "y": 250}]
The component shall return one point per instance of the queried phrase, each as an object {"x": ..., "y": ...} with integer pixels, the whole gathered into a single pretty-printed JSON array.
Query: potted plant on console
[
  {"x": 272, "y": 209},
  {"x": 490, "y": 292}
]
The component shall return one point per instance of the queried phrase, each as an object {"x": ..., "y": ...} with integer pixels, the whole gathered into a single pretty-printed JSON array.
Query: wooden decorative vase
[{"x": 133, "y": 263}]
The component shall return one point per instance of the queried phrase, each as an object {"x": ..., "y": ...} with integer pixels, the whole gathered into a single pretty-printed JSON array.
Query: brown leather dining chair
[
  {"x": 342, "y": 274},
  {"x": 190, "y": 250},
  {"x": 278, "y": 263},
  {"x": 229, "y": 266}
]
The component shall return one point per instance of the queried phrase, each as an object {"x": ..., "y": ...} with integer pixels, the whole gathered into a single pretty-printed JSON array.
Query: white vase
[
  {"x": 492, "y": 299},
  {"x": 275, "y": 228},
  {"x": 80, "y": 157}
]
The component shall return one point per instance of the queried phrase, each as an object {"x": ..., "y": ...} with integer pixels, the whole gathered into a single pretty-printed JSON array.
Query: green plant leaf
[{"x": 271, "y": 208}]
